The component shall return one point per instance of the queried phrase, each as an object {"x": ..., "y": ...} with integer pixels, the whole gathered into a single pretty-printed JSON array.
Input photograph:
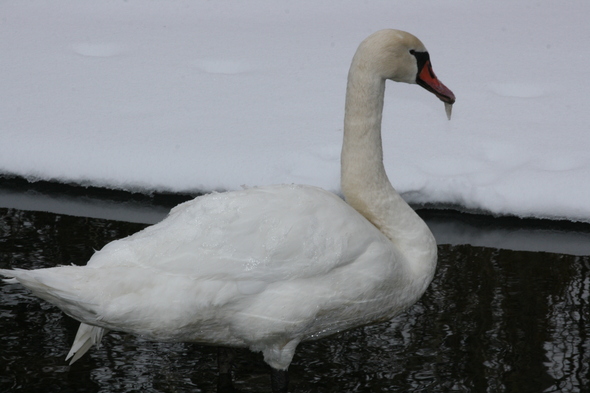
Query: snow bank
[{"x": 196, "y": 96}]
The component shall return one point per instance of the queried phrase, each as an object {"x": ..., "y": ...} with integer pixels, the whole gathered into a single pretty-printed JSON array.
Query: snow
[{"x": 191, "y": 96}]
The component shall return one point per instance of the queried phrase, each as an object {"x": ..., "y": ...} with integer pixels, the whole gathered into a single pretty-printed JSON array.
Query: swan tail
[
  {"x": 86, "y": 337},
  {"x": 9, "y": 273},
  {"x": 58, "y": 286}
]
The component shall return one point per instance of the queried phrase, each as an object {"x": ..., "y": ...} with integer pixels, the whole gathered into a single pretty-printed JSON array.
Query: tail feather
[
  {"x": 8, "y": 273},
  {"x": 55, "y": 288},
  {"x": 86, "y": 337},
  {"x": 62, "y": 286}
]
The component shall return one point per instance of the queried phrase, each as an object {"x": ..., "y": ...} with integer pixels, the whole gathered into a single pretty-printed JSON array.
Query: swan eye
[{"x": 412, "y": 51}]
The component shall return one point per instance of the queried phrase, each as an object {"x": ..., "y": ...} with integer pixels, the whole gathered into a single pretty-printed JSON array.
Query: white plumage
[{"x": 269, "y": 267}]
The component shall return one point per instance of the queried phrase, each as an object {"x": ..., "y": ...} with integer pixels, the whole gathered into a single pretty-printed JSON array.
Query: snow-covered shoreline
[
  {"x": 449, "y": 226},
  {"x": 197, "y": 96}
]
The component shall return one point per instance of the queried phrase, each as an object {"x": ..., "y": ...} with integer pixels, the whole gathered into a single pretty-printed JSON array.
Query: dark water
[{"x": 493, "y": 320}]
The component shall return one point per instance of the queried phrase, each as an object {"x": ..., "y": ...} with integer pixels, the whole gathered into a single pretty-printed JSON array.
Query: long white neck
[{"x": 363, "y": 179}]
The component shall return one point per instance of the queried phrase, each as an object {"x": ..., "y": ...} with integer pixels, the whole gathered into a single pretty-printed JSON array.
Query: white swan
[{"x": 269, "y": 267}]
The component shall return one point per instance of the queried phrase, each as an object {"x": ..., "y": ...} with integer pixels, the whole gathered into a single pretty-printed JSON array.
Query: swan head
[{"x": 401, "y": 57}]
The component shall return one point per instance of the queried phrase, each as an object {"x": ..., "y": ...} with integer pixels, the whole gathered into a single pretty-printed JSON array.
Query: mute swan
[{"x": 266, "y": 268}]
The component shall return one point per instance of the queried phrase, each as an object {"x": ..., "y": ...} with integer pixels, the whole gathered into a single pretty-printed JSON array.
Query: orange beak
[{"x": 430, "y": 82}]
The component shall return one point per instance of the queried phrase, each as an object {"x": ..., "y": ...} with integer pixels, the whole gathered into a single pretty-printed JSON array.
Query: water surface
[{"x": 493, "y": 320}]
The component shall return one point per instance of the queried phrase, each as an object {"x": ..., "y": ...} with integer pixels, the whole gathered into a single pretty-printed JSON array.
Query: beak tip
[{"x": 449, "y": 109}]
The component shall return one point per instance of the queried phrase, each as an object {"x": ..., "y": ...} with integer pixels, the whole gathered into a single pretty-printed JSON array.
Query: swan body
[
  {"x": 268, "y": 267},
  {"x": 262, "y": 268}
]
